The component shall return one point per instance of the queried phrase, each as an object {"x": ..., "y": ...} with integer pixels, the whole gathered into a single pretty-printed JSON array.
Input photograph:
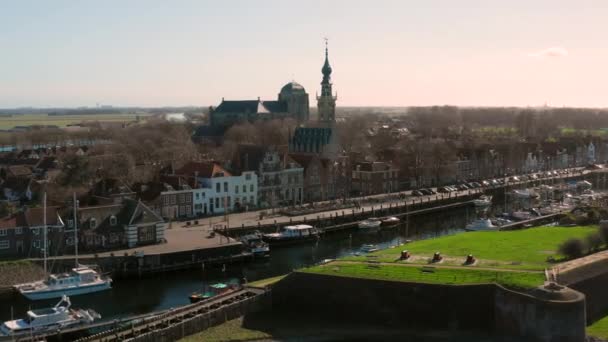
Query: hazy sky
[{"x": 384, "y": 53}]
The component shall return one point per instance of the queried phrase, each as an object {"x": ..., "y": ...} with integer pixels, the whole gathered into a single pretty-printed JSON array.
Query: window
[
  {"x": 228, "y": 202},
  {"x": 248, "y": 176},
  {"x": 3, "y": 232},
  {"x": 198, "y": 195},
  {"x": 35, "y": 231},
  {"x": 181, "y": 198},
  {"x": 93, "y": 223},
  {"x": 18, "y": 231},
  {"x": 112, "y": 220},
  {"x": 217, "y": 202},
  {"x": 188, "y": 210},
  {"x": 70, "y": 241},
  {"x": 251, "y": 187},
  {"x": 37, "y": 244},
  {"x": 70, "y": 223},
  {"x": 244, "y": 188},
  {"x": 5, "y": 244},
  {"x": 218, "y": 187},
  {"x": 251, "y": 200},
  {"x": 244, "y": 200},
  {"x": 173, "y": 199},
  {"x": 225, "y": 186},
  {"x": 236, "y": 189}
]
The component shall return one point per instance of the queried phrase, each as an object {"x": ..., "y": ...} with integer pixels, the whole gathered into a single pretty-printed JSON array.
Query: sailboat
[{"x": 80, "y": 280}]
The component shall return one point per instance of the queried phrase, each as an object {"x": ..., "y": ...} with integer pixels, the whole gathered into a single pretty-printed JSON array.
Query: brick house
[{"x": 370, "y": 178}]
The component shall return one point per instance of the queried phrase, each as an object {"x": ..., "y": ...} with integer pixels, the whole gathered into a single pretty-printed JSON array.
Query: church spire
[
  {"x": 326, "y": 67},
  {"x": 326, "y": 103}
]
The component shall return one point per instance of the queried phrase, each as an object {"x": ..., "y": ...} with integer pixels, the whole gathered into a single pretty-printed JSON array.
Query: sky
[{"x": 383, "y": 53}]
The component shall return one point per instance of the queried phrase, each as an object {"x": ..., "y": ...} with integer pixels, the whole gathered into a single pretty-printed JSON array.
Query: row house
[
  {"x": 280, "y": 178},
  {"x": 22, "y": 234},
  {"x": 200, "y": 189},
  {"x": 124, "y": 225},
  {"x": 370, "y": 178}
]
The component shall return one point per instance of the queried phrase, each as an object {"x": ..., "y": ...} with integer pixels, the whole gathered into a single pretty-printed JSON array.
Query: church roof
[
  {"x": 293, "y": 87},
  {"x": 250, "y": 106}
]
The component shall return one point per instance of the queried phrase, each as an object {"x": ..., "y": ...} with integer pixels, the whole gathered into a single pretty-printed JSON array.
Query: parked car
[
  {"x": 514, "y": 179},
  {"x": 426, "y": 192},
  {"x": 417, "y": 193},
  {"x": 444, "y": 189},
  {"x": 485, "y": 183}
]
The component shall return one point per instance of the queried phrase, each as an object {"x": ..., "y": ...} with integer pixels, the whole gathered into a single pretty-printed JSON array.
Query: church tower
[{"x": 326, "y": 103}]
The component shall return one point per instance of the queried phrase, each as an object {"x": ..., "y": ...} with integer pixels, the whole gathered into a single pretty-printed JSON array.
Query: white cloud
[{"x": 550, "y": 52}]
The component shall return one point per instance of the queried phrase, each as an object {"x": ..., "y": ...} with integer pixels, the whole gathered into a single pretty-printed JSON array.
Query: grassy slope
[
  {"x": 266, "y": 282},
  {"x": 599, "y": 328},
  {"x": 438, "y": 276},
  {"x": 521, "y": 249},
  {"x": 229, "y": 331}
]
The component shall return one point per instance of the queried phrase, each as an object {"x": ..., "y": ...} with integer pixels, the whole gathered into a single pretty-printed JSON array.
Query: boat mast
[
  {"x": 44, "y": 233},
  {"x": 75, "y": 232}
]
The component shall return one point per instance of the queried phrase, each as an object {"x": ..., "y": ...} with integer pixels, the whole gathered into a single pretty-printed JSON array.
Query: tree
[
  {"x": 572, "y": 248},
  {"x": 594, "y": 241}
]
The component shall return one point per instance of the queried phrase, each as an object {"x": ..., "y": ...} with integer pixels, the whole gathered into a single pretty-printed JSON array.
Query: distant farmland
[{"x": 7, "y": 123}]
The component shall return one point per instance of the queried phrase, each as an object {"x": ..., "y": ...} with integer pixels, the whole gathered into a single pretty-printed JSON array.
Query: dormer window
[
  {"x": 93, "y": 223},
  {"x": 112, "y": 220}
]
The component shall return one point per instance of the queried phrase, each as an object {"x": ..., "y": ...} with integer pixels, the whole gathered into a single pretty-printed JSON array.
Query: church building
[
  {"x": 316, "y": 147},
  {"x": 292, "y": 102}
]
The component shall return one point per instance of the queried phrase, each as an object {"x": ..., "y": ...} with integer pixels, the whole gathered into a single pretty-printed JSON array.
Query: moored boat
[
  {"x": 390, "y": 221},
  {"x": 293, "y": 234},
  {"x": 214, "y": 290},
  {"x": 39, "y": 321},
  {"x": 255, "y": 244},
  {"x": 483, "y": 201},
  {"x": 78, "y": 281},
  {"x": 370, "y": 223},
  {"x": 481, "y": 225},
  {"x": 368, "y": 248}
]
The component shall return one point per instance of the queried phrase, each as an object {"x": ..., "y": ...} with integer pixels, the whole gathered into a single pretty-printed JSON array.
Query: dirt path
[{"x": 435, "y": 266}]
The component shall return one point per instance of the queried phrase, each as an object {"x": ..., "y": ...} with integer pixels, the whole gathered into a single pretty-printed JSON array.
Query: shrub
[
  {"x": 594, "y": 241},
  {"x": 603, "y": 231},
  {"x": 567, "y": 219},
  {"x": 572, "y": 248}
]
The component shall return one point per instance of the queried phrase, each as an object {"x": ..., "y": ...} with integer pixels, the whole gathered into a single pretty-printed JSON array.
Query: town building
[
  {"x": 280, "y": 178},
  {"x": 370, "y": 178},
  {"x": 317, "y": 149}
]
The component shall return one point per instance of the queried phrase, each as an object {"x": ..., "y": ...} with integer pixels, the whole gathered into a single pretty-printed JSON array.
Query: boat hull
[
  {"x": 58, "y": 293},
  {"x": 278, "y": 242}
]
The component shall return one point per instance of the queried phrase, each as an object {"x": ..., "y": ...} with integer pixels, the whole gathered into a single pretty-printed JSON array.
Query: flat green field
[
  {"x": 437, "y": 275},
  {"x": 517, "y": 249},
  {"x": 61, "y": 120},
  {"x": 599, "y": 328}
]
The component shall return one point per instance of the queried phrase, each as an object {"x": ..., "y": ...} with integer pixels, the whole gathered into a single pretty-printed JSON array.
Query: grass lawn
[
  {"x": 266, "y": 282},
  {"x": 229, "y": 331},
  {"x": 518, "y": 249},
  {"x": 457, "y": 276},
  {"x": 599, "y": 328}
]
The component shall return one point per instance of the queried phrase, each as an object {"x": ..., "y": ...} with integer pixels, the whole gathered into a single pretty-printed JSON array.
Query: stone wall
[
  {"x": 485, "y": 307},
  {"x": 557, "y": 317}
]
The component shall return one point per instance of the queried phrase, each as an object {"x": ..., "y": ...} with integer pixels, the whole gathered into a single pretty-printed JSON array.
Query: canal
[{"x": 169, "y": 290}]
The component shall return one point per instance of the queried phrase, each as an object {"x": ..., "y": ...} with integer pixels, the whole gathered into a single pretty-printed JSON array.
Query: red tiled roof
[{"x": 12, "y": 221}]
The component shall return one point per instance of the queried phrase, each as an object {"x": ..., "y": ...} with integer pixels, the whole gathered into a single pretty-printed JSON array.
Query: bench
[{"x": 428, "y": 269}]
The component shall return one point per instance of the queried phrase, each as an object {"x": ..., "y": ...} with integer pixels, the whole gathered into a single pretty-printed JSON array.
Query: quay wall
[
  {"x": 484, "y": 307},
  {"x": 594, "y": 289},
  {"x": 131, "y": 265}
]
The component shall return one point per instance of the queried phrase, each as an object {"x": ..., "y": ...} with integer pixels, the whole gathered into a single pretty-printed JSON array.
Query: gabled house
[{"x": 128, "y": 224}]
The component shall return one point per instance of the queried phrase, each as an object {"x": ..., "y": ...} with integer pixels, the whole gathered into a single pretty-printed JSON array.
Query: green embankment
[
  {"x": 266, "y": 282},
  {"x": 230, "y": 331},
  {"x": 517, "y": 249},
  {"x": 435, "y": 275},
  {"x": 599, "y": 329}
]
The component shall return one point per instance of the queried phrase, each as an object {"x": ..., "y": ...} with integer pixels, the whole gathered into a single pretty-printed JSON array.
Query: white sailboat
[{"x": 80, "y": 280}]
